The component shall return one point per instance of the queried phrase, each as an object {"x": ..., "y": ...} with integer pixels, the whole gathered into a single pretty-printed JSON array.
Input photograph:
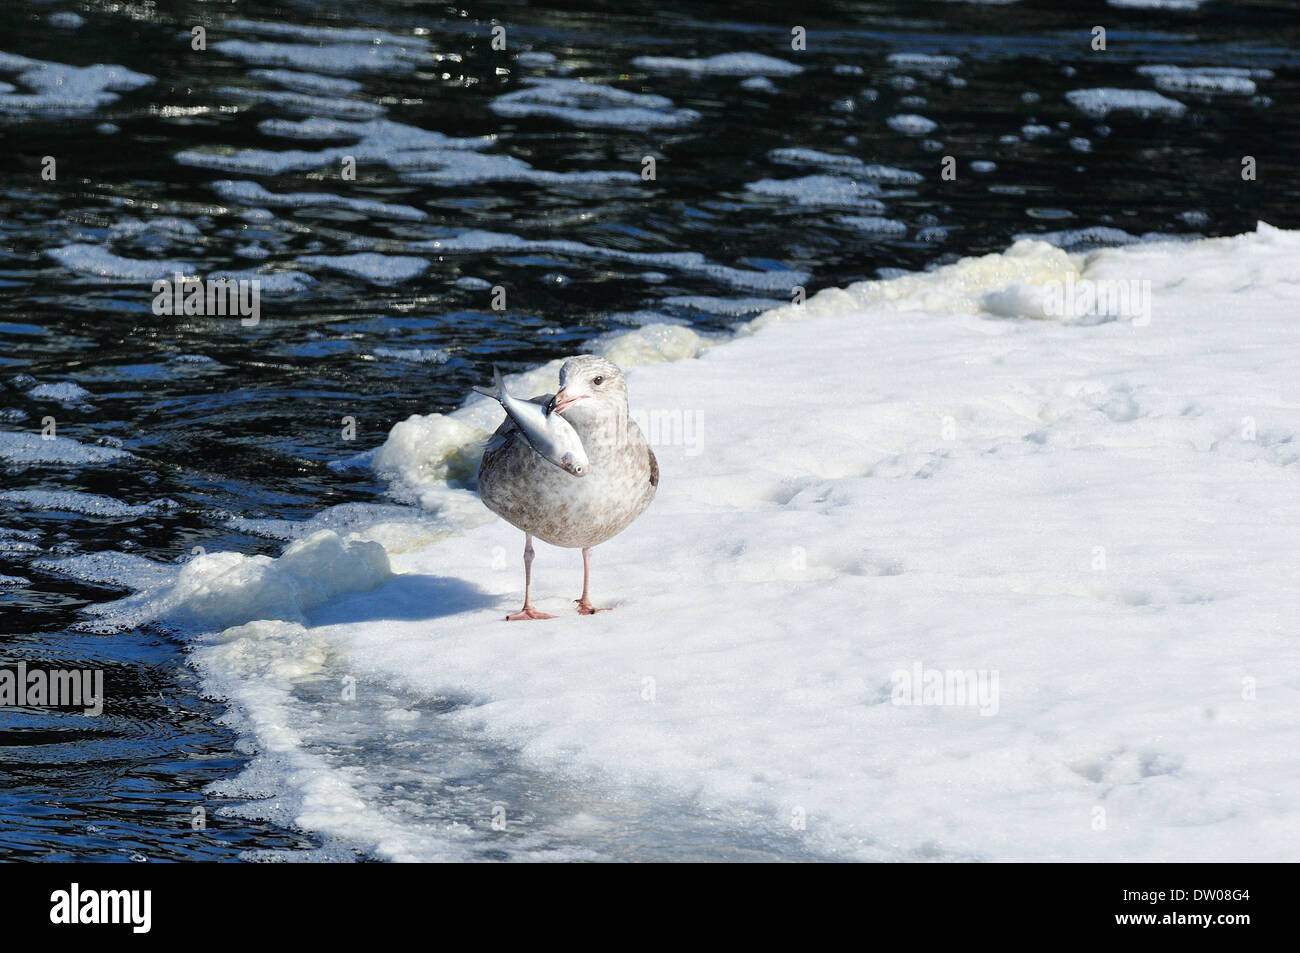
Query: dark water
[{"x": 224, "y": 420}]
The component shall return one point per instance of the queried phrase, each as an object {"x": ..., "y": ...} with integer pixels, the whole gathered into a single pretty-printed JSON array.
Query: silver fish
[{"x": 548, "y": 433}]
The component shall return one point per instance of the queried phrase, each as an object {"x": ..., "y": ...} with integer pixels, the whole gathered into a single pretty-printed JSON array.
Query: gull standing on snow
[{"x": 578, "y": 512}]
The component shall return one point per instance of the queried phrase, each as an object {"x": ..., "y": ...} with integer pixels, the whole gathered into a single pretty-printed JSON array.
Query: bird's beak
[{"x": 562, "y": 402}]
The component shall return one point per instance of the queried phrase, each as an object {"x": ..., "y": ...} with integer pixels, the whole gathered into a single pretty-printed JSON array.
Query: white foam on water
[
  {"x": 924, "y": 61},
  {"x": 253, "y": 193},
  {"x": 336, "y": 58},
  {"x": 307, "y": 82},
  {"x": 1177, "y": 5},
  {"x": 535, "y": 58},
  {"x": 1239, "y": 72},
  {"x": 326, "y": 35},
  {"x": 875, "y": 225},
  {"x": 160, "y": 230},
  {"x": 418, "y": 355},
  {"x": 65, "y": 20},
  {"x": 483, "y": 242},
  {"x": 724, "y": 64},
  {"x": 62, "y": 90},
  {"x": 759, "y": 84},
  {"x": 125, "y": 570},
  {"x": 641, "y": 317},
  {"x": 852, "y": 164},
  {"x": 304, "y": 103},
  {"x": 826, "y": 190},
  {"x": 374, "y": 268},
  {"x": 726, "y": 306},
  {"x": 85, "y": 504},
  {"x": 397, "y": 528},
  {"x": 1101, "y": 102},
  {"x": 911, "y": 124},
  {"x": 261, "y": 161},
  {"x": 285, "y": 282},
  {"x": 98, "y": 262},
  {"x": 460, "y": 167},
  {"x": 374, "y": 141},
  {"x": 64, "y": 392},
  {"x": 591, "y": 105},
  {"x": 1207, "y": 80},
  {"x": 1075, "y": 238}
]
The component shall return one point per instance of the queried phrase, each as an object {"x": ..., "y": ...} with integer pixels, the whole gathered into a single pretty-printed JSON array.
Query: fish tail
[{"x": 497, "y": 382}]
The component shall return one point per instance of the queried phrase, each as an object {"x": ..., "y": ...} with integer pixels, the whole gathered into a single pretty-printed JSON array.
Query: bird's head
[{"x": 591, "y": 387}]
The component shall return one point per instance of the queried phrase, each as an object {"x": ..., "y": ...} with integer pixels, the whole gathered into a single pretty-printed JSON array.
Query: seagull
[{"x": 532, "y": 494}]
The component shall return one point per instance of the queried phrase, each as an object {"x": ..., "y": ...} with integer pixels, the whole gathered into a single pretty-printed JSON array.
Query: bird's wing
[{"x": 654, "y": 467}]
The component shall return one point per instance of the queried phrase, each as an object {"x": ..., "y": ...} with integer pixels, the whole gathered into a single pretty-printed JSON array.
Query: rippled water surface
[{"x": 481, "y": 168}]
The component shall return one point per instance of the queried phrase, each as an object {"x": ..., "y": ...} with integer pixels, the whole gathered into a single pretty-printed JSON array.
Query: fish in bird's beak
[{"x": 562, "y": 402}]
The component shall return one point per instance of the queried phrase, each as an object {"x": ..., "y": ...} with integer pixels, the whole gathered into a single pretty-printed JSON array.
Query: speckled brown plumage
[{"x": 521, "y": 487}]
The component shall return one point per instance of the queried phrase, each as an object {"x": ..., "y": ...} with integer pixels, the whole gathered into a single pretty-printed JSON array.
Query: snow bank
[
  {"x": 922, "y": 581},
  {"x": 219, "y": 590}
]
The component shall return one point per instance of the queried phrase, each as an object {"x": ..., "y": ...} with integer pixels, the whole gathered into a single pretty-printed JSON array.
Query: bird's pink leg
[
  {"x": 528, "y": 612},
  {"x": 584, "y": 604}
]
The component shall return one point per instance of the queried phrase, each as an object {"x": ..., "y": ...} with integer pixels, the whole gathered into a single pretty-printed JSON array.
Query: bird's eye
[{"x": 598, "y": 380}]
